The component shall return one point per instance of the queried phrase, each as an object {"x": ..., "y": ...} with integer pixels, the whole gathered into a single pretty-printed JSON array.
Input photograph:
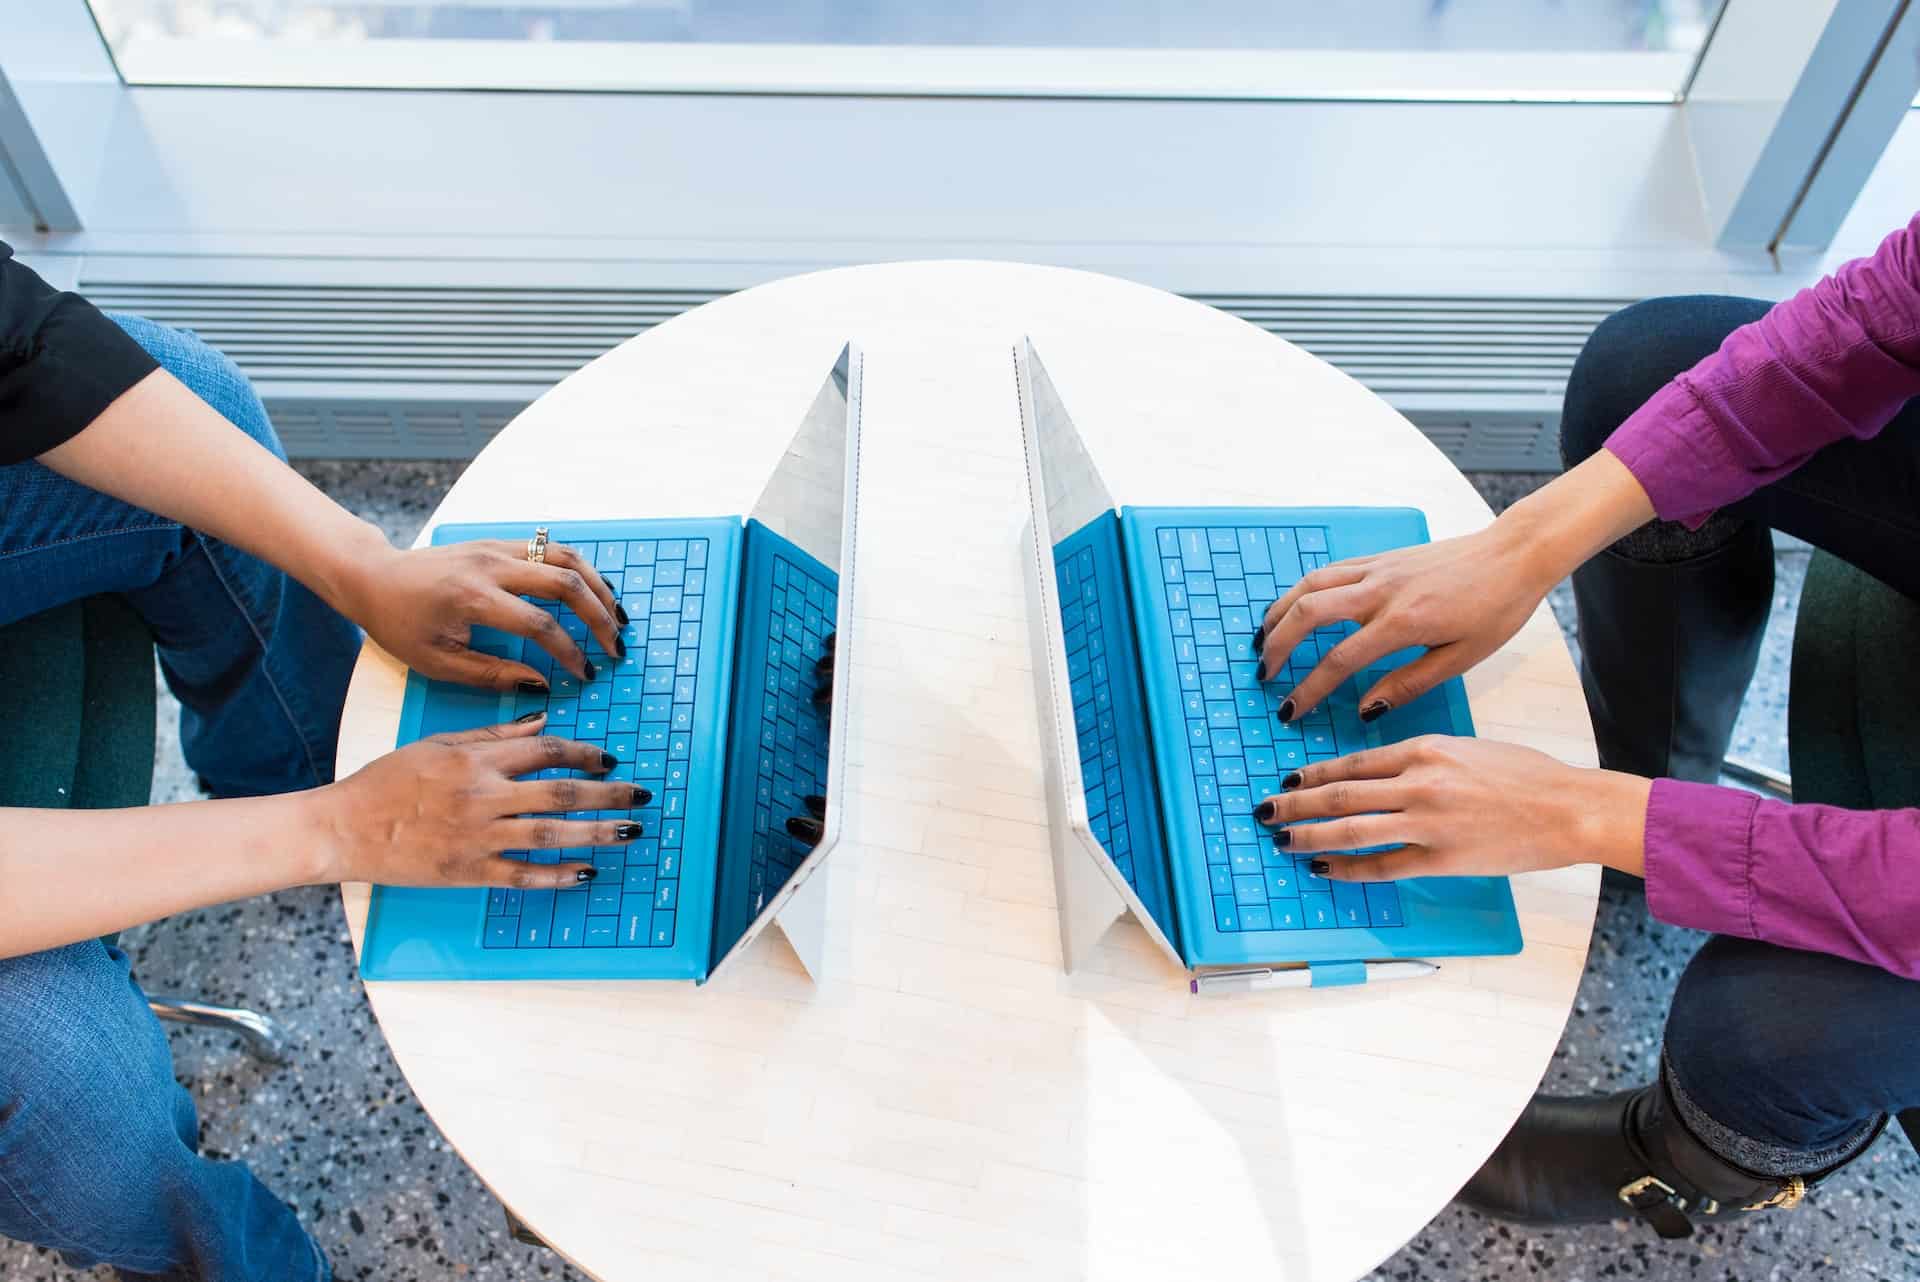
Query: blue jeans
[
  {"x": 98, "y": 1143},
  {"x": 1783, "y": 1059}
]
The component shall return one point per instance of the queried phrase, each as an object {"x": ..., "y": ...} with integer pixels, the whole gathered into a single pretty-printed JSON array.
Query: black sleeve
[{"x": 62, "y": 362}]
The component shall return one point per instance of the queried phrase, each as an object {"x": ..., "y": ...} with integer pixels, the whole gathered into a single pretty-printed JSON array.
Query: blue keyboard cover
[
  {"x": 1109, "y": 714},
  {"x": 662, "y": 711},
  {"x": 1202, "y": 580},
  {"x": 779, "y": 739}
]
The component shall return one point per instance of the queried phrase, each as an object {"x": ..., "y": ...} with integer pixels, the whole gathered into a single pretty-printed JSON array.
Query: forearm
[
  {"x": 1554, "y": 530},
  {"x": 1817, "y": 878},
  {"x": 69, "y": 875},
  {"x": 162, "y": 448}
]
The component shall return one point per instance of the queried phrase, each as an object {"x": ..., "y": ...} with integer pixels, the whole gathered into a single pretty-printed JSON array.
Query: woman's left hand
[
  {"x": 422, "y": 606},
  {"x": 1458, "y": 808}
]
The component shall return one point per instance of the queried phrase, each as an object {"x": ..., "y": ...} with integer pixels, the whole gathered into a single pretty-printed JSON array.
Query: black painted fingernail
[
  {"x": 823, "y": 665},
  {"x": 619, "y": 647},
  {"x": 1375, "y": 710},
  {"x": 620, "y": 613},
  {"x": 532, "y": 687},
  {"x": 1283, "y": 838},
  {"x": 608, "y": 761},
  {"x": 641, "y": 796},
  {"x": 1320, "y": 867},
  {"x": 1264, "y": 812},
  {"x": 1291, "y": 782},
  {"x": 527, "y": 718},
  {"x": 586, "y": 874},
  {"x": 1260, "y": 636},
  {"x": 1286, "y": 708},
  {"x": 817, "y": 806},
  {"x": 592, "y": 671},
  {"x": 824, "y": 695},
  {"x": 1261, "y": 673},
  {"x": 626, "y": 832},
  {"x": 827, "y": 641},
  {"x": 807, "y": 830}
]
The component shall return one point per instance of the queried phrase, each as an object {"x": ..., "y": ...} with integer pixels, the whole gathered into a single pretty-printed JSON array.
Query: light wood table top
[{"x": 947, "y": 1101}]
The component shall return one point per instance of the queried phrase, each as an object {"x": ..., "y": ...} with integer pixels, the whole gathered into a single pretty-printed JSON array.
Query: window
[{"x": 1422, "y": 50}]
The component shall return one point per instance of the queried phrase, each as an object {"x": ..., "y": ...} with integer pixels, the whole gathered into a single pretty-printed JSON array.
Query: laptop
[
  {"x": 1160, "y": 739},
  {"x": 724, "y": 707}
]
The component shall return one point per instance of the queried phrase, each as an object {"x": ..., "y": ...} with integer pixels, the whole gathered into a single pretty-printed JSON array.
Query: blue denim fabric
[
  {"x": 98, "y": 1143},
  {"x": 259, "y": 664}
]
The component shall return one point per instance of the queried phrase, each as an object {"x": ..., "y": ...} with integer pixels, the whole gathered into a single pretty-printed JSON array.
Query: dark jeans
[
  {"x": 99, "y": 1146},
  {"x": 1789, "y": 1052}
]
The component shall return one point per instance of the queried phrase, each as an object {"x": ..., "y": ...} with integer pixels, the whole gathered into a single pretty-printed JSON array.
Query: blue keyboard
[
  {"x": 1210, "y": 588},
  {"x": 1178, "y": 740},
  {"x": 1123, "y": 806},
  {"x": 644, "y": 710},
  {"x": 780, "y": 735}
]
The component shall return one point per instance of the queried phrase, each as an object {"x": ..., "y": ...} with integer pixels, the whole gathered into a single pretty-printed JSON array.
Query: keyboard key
[
  {"x": 1221, "y": 878},
  {"x": 536, "y": 918},
  {"x": 662, "y": 930},
  {"x": 1286, "y": 914},
  {"x": 569, "y": 918},
  {"x": 1226, "y": 914},
  {"x": 1317, "y": 910},
  {"x": 500, "y": 932},
  {"x": 1249, "y": 890},
  {"x": 1312, "y": 538},
  {"x": 1350, "y": 904},
  {"x": 1255, "y": 917},
  {"x": 1383, "y": 904},
  {"x": 602, "y": 931},
  {"x": 636, "y": 920}
]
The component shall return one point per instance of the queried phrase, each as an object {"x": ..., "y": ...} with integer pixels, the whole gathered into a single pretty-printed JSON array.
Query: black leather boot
[
  {"x": 1667, "y": 650},
  {"x": 1593, "y": 1158}
]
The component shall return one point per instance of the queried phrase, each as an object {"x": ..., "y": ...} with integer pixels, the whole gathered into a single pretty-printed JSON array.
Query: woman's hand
[
  {"x": 1458, "y": 808},
  {"x": 1462, "y": 598},
  {"x": 439, "y": 812},
  {"x": 422, "y": 605}
]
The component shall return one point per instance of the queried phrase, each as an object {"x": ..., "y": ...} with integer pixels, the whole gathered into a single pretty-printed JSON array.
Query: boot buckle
[
  {"x": 1632, "y": 1194},
  {"x": 1784, "y": 1198},
  {"x": 1660, "y": 1204}
]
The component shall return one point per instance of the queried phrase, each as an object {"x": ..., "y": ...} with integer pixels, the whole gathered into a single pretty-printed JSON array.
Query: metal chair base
[{"x": 259, "y": 1034}]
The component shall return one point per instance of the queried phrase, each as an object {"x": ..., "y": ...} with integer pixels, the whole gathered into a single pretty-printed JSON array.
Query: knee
[
  {"x": 89, "y": 1109},
  {"x": 82, "y": 1044},
  {"x": 1619, "y": 367},
  {"x": 206, "y": 371}
]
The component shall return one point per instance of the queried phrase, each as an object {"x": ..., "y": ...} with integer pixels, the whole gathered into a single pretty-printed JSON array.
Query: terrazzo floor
[{"x": 340, "y": 1136}]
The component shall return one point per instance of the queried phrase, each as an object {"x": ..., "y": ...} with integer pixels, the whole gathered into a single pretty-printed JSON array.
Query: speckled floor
[{"x": 339, "y": 1134}]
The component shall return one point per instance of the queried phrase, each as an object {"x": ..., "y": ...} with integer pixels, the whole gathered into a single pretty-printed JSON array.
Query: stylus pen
[{"x": 1221, "y": 982}]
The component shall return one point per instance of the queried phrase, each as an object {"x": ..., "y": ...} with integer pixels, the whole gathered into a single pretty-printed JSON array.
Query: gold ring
[{"x": 537, "y": 546}]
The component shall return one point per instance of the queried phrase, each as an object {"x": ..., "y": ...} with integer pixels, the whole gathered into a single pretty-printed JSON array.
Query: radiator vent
[{"x": 434, "y": 372}]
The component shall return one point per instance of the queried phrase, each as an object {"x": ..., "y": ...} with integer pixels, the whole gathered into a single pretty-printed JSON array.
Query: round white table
[{"x": 947, "y": 1101}]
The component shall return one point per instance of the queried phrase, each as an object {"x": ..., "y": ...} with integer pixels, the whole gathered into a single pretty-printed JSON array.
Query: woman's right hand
[{"x": 439, "y": 812}]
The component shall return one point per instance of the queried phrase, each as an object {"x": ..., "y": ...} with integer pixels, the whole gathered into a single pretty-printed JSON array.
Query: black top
[{"x": 62, "y": 362}]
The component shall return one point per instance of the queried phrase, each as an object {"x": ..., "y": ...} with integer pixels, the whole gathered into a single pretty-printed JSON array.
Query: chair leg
[
  {"x": 519, "y": 1232},
  {"x": 259, "y": 1034}
]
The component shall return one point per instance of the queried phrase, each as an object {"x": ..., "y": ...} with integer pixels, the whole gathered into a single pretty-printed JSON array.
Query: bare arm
[{"x": 435, "y": 813}]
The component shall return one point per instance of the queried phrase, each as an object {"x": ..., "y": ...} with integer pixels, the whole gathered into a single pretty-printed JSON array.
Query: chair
[
  {"x": 77, "y": 686},
  {"x": 1853, "y": 719}
]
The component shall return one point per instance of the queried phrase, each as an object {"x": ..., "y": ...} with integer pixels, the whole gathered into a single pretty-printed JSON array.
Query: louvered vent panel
[{"x": 1482, "y": 376}]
